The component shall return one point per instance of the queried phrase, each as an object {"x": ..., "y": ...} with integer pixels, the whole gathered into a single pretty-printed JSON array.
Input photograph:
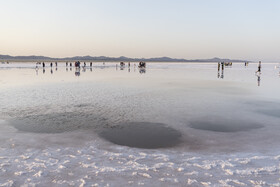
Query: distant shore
[{"x": 5, "y": 58}]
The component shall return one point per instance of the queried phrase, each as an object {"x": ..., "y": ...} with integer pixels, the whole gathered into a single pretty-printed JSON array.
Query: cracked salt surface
[{"x": 52, "y": 127}]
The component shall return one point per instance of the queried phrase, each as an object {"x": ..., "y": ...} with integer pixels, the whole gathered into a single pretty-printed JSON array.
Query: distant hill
[{"x": 108, "y": 59}]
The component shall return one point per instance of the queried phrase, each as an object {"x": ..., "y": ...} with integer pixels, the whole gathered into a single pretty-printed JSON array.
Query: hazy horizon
[{"x": 193, "y": 29}]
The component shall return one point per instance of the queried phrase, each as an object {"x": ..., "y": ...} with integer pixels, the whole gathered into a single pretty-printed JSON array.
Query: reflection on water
[
  {"x": 83, "y": 69},
  {"x": 258, "y": 78},
  {"x": 222, "y": 71},
  {"x": 78, "y": 71},
  {"x": 142, "y": 70},
  {"x": 221, "y": 68}
]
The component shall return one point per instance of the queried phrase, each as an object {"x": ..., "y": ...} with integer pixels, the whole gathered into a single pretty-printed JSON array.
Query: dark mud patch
[
  {"x": 224, "y": 126},
  {"x": 142, "y": 135},
  {"x": 57, "y": 122}
]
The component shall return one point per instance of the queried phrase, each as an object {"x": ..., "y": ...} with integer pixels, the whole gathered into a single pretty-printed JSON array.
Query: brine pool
[{"x": 171, "y": 124}]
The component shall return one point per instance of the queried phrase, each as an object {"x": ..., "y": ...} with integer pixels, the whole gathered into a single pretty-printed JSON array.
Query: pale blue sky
[{"x": 241, "y": 29}]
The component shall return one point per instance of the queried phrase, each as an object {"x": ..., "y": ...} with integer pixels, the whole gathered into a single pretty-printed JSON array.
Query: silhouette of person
[{"x": 259, "y": 66}]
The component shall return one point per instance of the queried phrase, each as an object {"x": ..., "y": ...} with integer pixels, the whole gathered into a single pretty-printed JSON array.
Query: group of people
[
  {"x": 77, "y": 64},
  {"x": 141, "y": 64},
  {"x": 221, "y": 65}
]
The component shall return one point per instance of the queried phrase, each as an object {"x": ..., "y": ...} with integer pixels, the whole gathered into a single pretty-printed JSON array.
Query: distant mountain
[{"x": 108, "y": 59}]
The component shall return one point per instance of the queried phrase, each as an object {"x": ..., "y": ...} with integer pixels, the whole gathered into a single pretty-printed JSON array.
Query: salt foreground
[{"x": 173, "y": 125}]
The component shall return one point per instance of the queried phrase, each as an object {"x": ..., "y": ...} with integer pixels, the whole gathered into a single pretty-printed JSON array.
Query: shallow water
[
  {"x": 142, "y": 135},
  {"x": 174, "y": 124}
]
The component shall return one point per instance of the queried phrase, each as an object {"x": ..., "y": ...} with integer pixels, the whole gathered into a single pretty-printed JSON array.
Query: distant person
[
  {"x": 66, "y": 64},
  {"x": 90, "y": 64},
  {"x": 56, "y": 64},
  {"x": 85, "y": 64},
  {"x": 43, "y": 64},
  {"x": 259, "y": 67},
  {"x": 128, "y": 64},
  {"x": 70, "y": 64},
  {"x": 77, "y": 64},
  {"x": 219, "y": 66},
  {"x": 51, "y": 64}
]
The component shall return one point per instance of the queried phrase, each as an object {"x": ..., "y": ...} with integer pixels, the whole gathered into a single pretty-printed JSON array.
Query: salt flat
[{"x": 93, "y": 126}]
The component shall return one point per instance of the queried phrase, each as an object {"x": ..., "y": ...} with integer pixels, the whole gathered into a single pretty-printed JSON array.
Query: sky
[{"x": 190, "y": 29}]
